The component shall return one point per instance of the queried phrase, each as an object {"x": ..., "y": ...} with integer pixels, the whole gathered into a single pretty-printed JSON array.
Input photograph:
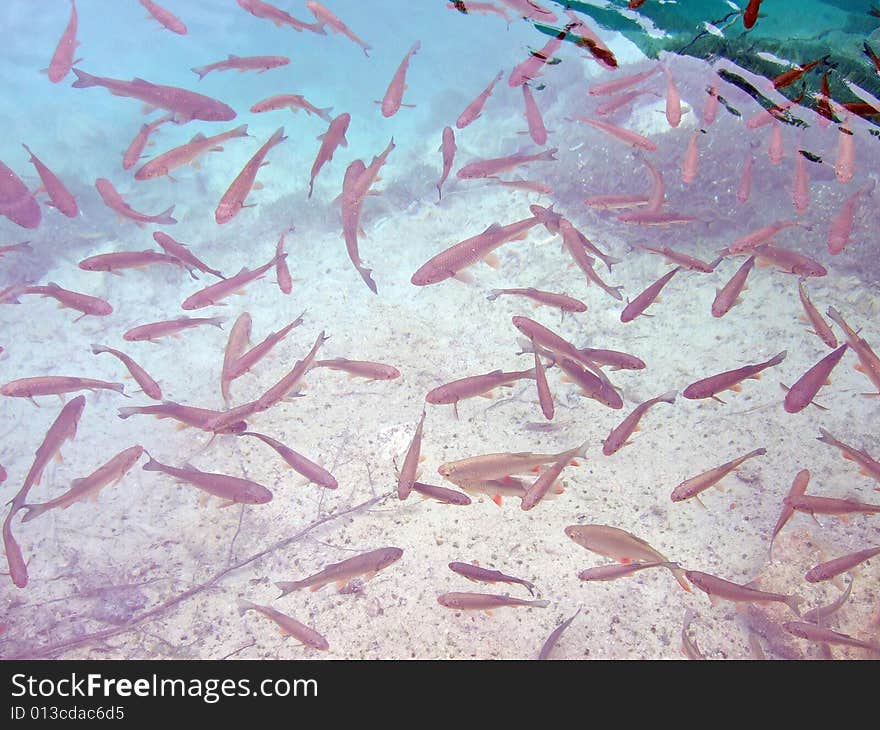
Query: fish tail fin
[
  {"x": 615, "y": 291},
  {"x": 217, "y": 321},
  {"x": 680, "y": 577},
  {"x": 200, "y": 70},
  {"x": 368, "y": 280},
  {"x": 152, "y": 464},
  {"x": 669, "y": 397},
  {"x": 779, "y": 358},
  {"x": 244, "y": 606},
  {"x": 794, "y": 602},
  {"x": 539, "y": 604},
  {"x": 278, "y": 137},
  {"x": 550, "y": 154},
  {"x": 98, "y": 349},
  {"x": 119, "y": 388},
  {"x": 286, "y": 586},
  {"x": 84, "y": 80},
  {"x": 240, "y": 131},
  {"x": 33, "y": 510},
  {"x": 165, "y": 217},
  {"x": 325, "y": 113},
  {"x": 493, "y": 295}
]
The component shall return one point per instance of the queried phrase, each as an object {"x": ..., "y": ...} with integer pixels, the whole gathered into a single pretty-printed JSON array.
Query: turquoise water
[{"x": 148, "y": 570}]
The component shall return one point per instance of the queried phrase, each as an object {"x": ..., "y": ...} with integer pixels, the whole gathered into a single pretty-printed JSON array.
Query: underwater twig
[
  {"x": 235, "y": 536},
  {"x": 68, "y": 644}
]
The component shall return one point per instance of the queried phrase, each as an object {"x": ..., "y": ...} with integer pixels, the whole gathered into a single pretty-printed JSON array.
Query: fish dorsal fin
[
  {"x": 232, "y": 57},
  {"x": 198, "y": 137}
]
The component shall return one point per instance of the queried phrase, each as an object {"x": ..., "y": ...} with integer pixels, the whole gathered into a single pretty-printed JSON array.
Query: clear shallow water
[{"x": 146, "y": 541}]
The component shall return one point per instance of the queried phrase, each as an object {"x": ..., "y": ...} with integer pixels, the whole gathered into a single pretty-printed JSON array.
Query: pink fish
[
  {"x": 800, "y": 188},
  {"x": 491, "y": 167},
  {"x": 112, "y": 262},
  {"x": 239, "y": 338},
  {"x": 673, "y": 100},
  {"x": 790, "y": 262},
  {"x": 183, "y": 254},
  {"x": 169, "y": 21},
  {"x": 84, "y": 303},
  {"x": 282, "y": 273},
  {"x": 618, "y": 101},
  {"x": 219, "y": 290},
  {"x": 797, "y": 489},
  {"x": 690, "y": 161},
  {"x": 644, "y": 300},
  {"x": 820, "y": 326},
  {"x": 407, "y": 476},
  {"x": 235, "y": 490},
  {"x": 186, "y": 415},
  {"x": 612, "y": 87},
  {"x": 63, "y": 429},
  {"x": 360, "y": 368},
  {"x": 469, "y": 7},
  {"x": 330, "y": 140},
  {"x": 299, "y": 463},
  {"x": 141, "y": 376},
  {"x": 530, "y": 10},
  {"x": 260, "y": 9},
  {"x": 869, "y": 362},
  {"x": 62, "y": 59},
  {"x": 232, "y": 62},
  {"x": 113, "y": 200},
  {"x": 532, "y": 66},
  {"x": 801, "y": 394},
  {"x": 774, "y": 150},
  {"x": 475, "y": 108},
  {"x": 617, "y": 439},
  {"x": 539, "y": 488},
  {"x": 729, "y": 379},
  {"x": 448, "y": 148},
  {"x": 537, "y": 131},
  {"x": 393, "y": 99},
  {"x": 136, "y": 148},
  {"x": 325, "y": 17},
  {"x": 655, "y": 218},
  {"x": 472, "y": 386},
  {"x": 184, "y": 105},
  {"x": 294, "y": 102},
  {"x": 744, "y": 190},
  {"x": 549, "y": 299},
  {"x": 244, "y": 361},
  {"x": 16, "y": 201},
  {"x": 710, "y": 107},
  {"x": 153, "y": 331},
  {"x": 545, "y": 397},
  {"x": 55, "y": 385},
  {"x": 842, "y": 224},
  {"x": 624, "y": 135},
  {"x": 686, "y": 262},
  {"x": 845, "y": 165},
  {"x": 355, "y": 187},
  {"x": 288, "y": 383},
  {"x": 728, "y": 296},
  {"x": 233, "y": 199},
  {"x": 758, "y": 236},
  {"x": 89, "y": 487},
  {"x": 451, "y": 262},
  {"x": 289, "y": 626},
  {"x": 187, "y": 154},
  {"x": 17, "y": 566},
  {"x": 59, "y": 195}
]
